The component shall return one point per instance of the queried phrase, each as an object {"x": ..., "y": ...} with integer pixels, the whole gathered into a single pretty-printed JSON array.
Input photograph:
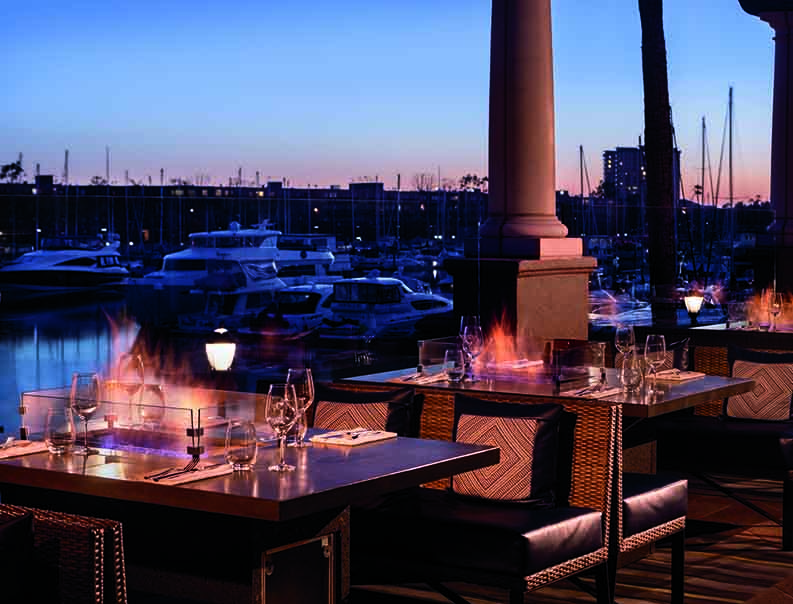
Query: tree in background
[
  {"x": 11, "y": 172},
  {"x": 658, "y": 159}
]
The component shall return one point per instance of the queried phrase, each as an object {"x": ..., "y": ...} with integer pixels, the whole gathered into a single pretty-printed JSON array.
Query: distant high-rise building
[{"x": 624, "y": 173}]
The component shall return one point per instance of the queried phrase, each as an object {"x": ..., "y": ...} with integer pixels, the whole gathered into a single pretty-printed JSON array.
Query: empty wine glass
[
  {"x": 130, "y": 378},
  {"x": 281, "y": 414},
  {"x": 654, "y": 356},
  {"x": 84, "y": 398},
  {"x": 473, "y": 341},
  {"x": 59, "y": 432},
  {"x": 624, "y": 337},
  {"x": 303, "y": 382},
  {"x": 241, "y": 444}
]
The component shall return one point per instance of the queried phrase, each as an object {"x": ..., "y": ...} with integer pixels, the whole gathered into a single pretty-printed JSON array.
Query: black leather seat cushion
[
  {"x": 650, "y": 500},
  {"x": 724, "y": 444},
  {"x": 437, "y": 528}
]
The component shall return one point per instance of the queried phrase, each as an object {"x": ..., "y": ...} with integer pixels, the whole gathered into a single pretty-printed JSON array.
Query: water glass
[
  {"x": 454, "y": 365},
  {"x": 303, "y": 382},
  {"x": 241, "y": 444},
  {"x": 630, "y": 374},
  {"x": 59, "y": 430},
  {"x": 152, "y": 407}
]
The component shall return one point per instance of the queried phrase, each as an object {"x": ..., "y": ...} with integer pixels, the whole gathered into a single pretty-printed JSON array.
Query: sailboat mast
[
  {"x": 732, "y": 204},
  {"x": 582, "y": 214}
]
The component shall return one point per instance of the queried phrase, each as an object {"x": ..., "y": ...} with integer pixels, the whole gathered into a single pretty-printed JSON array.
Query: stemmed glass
[
  {"x": 84, "y": 398},
  {"x": 303, "y": 382},
  {"x": 624, "y": 338},
  {"x": 775, "y": 308},
  {"x": 130, "y": 378},
  {"x": 473, "y": 341},
  {"x": 281, "y": 414},
  {"x": 654, "y": 356}
]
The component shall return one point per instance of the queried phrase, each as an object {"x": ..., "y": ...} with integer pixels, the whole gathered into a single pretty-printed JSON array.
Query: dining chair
[
  {"x": 508, "y": 526},
  {"x": 65, "y": 557},
  {"x": 654, "y": 508}
]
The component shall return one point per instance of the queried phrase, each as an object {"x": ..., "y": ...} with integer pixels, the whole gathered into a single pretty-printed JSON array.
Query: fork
[{"x": 171, "y": 471}]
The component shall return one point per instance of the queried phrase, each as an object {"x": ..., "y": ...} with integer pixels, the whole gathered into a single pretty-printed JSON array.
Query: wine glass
[
  {"x": 59, "y": 434},
  {"x": 473, "y": 341},
  {"x": 130, "y": 378},
  {"x": 84, "y": 398},
  {"x": 624, "y": 337},
  {"x": 775, "y": 308},
  {"x": 654, "y": 356},
  {"x": 303, "y": 382},
  {"x": 281, "y": 414}
]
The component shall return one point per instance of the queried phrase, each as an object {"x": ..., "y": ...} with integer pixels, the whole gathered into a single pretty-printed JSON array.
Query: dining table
[{"x": 258, "y": 535}]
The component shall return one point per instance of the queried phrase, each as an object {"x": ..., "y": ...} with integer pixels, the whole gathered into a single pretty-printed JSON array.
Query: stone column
[
  {"x": 522, "y": 270},
  {"x": 522, "y": 218}
]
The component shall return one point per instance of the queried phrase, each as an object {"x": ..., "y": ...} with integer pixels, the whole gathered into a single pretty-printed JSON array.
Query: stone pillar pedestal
[{"x": 540, "y": 299}]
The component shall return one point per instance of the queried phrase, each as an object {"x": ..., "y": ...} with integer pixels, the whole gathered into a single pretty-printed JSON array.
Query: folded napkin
[
  {"x": 352, "y": 438},
  {"x": 675, "y": 375},
  {"x": 585, "y": 393},
  {"x": 200, "y": 473},
  {"x": 22, "y": 447},
  {"x": 423, "y": 378}
]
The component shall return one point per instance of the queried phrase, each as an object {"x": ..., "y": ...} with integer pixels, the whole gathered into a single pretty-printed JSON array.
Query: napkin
[
  {"x": 22, "y": 447},
  {"x": 608, "y": 392},
  {"x": 675, "y": 375},
  {"x": 352, "y": 438},
  {"x": 200, "y": 473},
  {"x": 430, "y": 378}
]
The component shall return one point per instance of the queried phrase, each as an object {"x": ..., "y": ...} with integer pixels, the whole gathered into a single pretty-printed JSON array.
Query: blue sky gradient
[{"x": 323, "y": 92}]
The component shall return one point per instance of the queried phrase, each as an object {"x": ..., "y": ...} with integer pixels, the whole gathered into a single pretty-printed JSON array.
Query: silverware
[
  {"x": 193, "y": 469},
  {"x": 167, "y": 473},
  {"x": 8, "y": 443},
  {"x": 352, "y": 434}
]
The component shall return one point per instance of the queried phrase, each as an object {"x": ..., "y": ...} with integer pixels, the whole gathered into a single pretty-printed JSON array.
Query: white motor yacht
[
  {"x": 378, "y": 308},
  {"x": 296, "y": 312},
  {"x": 64, "y": 266}
]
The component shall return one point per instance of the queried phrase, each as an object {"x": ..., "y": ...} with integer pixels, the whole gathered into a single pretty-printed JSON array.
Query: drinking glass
[
  {"x": 473, "y": 342},
  {"x": 152, "y": 407},
  {"x": 630, "y": 373},
  {"x": 281, "y": 414},
  {"x": 241, "y": 444},
  {"x": 303, "y": 382},
  {"x": 454, "y": 365},
  {"x": 775, "y": 308},
  {"x": 59, "y": 431},
  {"x": 130, "y": 378},
  {"x": 654, "y": 356},
  {"x": 624, "y": 338},
  {"x": 84, "y": 398}
]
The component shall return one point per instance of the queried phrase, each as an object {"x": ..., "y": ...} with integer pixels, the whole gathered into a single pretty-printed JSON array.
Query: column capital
[{"x": 780, "y": 21}]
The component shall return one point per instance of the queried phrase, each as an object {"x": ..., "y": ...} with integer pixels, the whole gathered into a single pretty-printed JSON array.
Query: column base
[
  {"x": 547, "y": 298},
  {"x": 530, "y": 248}
]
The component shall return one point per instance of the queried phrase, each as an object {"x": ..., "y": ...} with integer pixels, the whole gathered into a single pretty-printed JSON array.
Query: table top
[
  {"x": 327, "y": 476},
  {"x": 672, "y": 396}
]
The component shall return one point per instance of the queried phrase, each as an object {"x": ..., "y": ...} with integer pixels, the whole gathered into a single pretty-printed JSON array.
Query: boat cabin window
[
  {"x": 297, "y": 270},
  {"x": 184, "y": 264},
  {"x": 222, "y": 304},
  {"x": 107, "y": 261},
  {"x": 368, "y": 293},
  {"x": 428, "y": 304},
  {"x": 258, "y": 299}
]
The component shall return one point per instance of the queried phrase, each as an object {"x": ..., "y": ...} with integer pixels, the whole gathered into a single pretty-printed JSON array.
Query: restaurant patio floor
[{"x": 732, "y": 555}]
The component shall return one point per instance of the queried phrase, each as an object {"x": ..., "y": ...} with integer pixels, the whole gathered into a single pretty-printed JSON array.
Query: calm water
[{"x": 41, "y": 349}]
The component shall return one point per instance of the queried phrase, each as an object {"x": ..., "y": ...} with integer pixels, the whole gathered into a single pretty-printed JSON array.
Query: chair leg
[
  {"x": 678, "y": 566},
  {"x": 787, "y": 514},
  {"x": 604, "y": 582}
]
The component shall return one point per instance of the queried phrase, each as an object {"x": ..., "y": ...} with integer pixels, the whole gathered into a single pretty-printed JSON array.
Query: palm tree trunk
[{"x": 658, "y": 161}]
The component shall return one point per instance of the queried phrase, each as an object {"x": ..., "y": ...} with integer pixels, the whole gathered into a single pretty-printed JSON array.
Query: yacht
[
  {"x": 379, "y": 308},
  {"x": 64, "y": 266},
  {"x": 161, "y": 296},
  {"x": 296, "y": 313}
]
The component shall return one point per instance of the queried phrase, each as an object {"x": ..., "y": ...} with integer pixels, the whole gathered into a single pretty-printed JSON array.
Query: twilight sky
[{"x": 324, "y": 92}]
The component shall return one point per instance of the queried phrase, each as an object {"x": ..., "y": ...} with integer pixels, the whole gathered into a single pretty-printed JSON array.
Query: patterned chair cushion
[
  {"x": 528, "y": 436},
  {"x": 771, "y": 398},
  {"x": 396, "y": 410}
]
